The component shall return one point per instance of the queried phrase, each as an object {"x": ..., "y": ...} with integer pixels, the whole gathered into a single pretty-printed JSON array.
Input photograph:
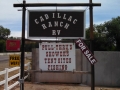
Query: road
[{"x": 6, "y": 57}]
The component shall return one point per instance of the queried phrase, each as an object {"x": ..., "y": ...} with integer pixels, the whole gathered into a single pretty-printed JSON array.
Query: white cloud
[{"x": 18, "y": 33}]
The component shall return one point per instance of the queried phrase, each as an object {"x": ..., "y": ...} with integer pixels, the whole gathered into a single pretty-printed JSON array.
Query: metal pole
[
  {"x": 22, "y": 48},
  {"x": 91, "y": 46}
]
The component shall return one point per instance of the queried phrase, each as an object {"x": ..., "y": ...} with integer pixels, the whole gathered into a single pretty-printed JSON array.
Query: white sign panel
[{"x": 57, "y": 56}]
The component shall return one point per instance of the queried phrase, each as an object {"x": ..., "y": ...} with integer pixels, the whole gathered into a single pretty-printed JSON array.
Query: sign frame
[{"x": 54, "y": 10}]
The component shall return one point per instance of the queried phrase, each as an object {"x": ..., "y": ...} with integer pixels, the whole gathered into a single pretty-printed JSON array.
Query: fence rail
[{"x": 7, "y": 79}]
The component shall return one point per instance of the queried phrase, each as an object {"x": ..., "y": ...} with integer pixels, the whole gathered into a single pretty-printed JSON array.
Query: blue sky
[{"x": 11, "y": 18}]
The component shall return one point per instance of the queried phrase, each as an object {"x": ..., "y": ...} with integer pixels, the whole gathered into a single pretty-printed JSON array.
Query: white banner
[{"x": 57, "y": 56}]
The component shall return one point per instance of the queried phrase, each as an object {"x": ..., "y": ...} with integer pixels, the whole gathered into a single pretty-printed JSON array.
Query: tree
[
  {"x": 4, "y": 32},
  {"x": 113, "y": 29},
  {"x": 101, "y": 42},
  {"x": 2, "y": 45}
]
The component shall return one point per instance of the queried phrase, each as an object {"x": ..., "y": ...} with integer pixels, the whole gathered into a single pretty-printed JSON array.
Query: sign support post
[
  {"x": 22, "y": 47},
  {"x": 91, "y": 46}
]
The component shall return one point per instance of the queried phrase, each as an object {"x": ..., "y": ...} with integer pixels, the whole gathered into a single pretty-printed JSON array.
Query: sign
[
  {"x": 88, "y": 54},
  {"x": 14, "y": 60},
  {"x": 13, "y": 45},
  {"x": 57, "y": 56},
  {"x": 46, "y": 24}
]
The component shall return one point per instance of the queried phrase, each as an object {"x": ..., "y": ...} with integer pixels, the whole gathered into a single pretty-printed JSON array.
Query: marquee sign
[
  {"x": 57, "y": 56},
  {"x": 51, "y": 24},
  {"x": 88, "y": 54}
]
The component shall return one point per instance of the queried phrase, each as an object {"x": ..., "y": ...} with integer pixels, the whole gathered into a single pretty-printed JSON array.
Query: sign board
[
  {"x": 12, "y": 45},
  {"x": 88, "y": 54},
  {"x": 57, "y": 56},
  {"x": 14, "y": 60},
  {"x": 49, "y": 24}
]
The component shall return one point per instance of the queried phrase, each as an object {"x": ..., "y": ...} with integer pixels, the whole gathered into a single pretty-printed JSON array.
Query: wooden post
[{"x": 91, "y": 46}]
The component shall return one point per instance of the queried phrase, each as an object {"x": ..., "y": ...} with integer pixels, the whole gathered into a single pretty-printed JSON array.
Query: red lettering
[
  {"x": 66, "y": 60},
  {"x": 48, "y": 67},
  {"x": 56, "y": 67},
  {"x": 52, "y": 47},
  {"x": 57, "y": 53},
  {"x": 43, "y": 47},
  {"x": 58, "y": 60},
  {"x": 51, "y": 60},
  {"x": 53, "y": 54},
  {"x": 64, "y": 53},
  {"x": 67, "y": 53},
  {"x": 61, "y": 60},
  {"x": 56, "y": 47},
  {"x": 60, "y": 48},
  {"x": 65, "y": 67},
  {"x": 48, "y": 60},
  {"x": 60, "y": 53},
  {"x": 69, "y": 60},
  {"x": 48, "y": 47},
  {"x": 46, "y": 54},
  {"x": 66, "y": 47},
  {"x": 53, "y": 67},
  {"x": 63, "y": 47},
  {"x": 45, "y": 60},
  {"x": 62, "y": 67},
  {"x": 70, "y": 47},
  {"x": 54, "y": 60},
  {"x": 49, "y": 54}
]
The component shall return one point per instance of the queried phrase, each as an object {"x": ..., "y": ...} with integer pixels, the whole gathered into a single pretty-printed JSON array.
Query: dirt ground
[{"x": 30, "y": 86}]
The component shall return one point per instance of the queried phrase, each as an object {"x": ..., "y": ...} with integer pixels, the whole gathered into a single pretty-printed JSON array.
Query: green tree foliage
[
  {"x": 101, "y": 42},
  {"x": 2, "y": 45},
  {"x": 113, "y": 32},
  {"x": 4, "y": 32}
]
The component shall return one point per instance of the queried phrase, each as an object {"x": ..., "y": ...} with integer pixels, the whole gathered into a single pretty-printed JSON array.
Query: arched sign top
[{"x": 63, "y": 24}]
